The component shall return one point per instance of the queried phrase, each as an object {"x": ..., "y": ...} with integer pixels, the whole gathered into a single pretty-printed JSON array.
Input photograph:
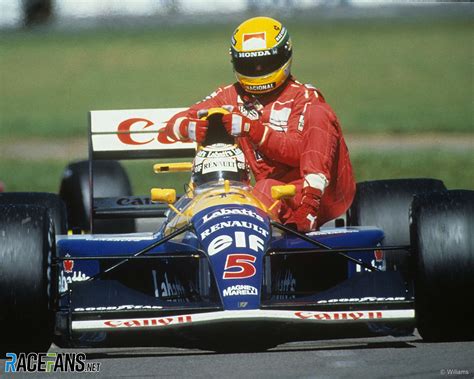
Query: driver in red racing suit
[{"x": 287, "y": 131}]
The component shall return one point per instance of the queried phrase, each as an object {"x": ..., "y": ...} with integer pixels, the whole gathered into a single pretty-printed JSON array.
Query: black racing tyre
[
  {"x": 442, "y": 236},
  {"x": 51, "y": 201},
  {"x": 27, "y": 244},
  {"x": 385, "y": 204},
  {"x": 110, "y": 180}
]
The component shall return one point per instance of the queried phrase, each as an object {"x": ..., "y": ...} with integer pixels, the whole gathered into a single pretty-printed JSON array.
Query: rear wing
[
  {"x": 130, "y": 134},
  {"x": 134, "y": 134}
]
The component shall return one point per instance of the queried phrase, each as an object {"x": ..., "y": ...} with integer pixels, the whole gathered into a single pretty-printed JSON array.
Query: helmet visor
[
  {"x": 240, "y": 176},
  {"x": 260, "y": 63}
]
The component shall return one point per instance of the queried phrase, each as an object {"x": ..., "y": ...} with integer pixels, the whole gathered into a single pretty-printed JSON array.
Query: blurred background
[{"x": 398, "y": 74}]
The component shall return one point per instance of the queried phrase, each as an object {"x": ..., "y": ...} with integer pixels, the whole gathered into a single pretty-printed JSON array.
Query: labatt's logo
[
  {"x": 235, "y": 211},
  {"x": 125, "y": 132}
]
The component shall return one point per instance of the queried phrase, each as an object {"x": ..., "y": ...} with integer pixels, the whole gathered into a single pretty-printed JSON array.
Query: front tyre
[
  {"x": 442, "y": 236},
  {"x": 27, "y": 243},
  {"x": 51, "y": 201}
]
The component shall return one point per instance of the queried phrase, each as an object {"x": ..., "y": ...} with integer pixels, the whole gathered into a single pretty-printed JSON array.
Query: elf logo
[{"x": 239, "y": 240}]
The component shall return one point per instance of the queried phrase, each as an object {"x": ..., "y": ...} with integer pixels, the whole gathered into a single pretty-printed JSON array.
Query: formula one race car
[{"x": 220, "y": 272}]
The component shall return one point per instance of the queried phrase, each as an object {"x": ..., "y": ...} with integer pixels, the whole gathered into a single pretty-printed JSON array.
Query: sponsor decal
[
  {"x": 68, "y": 265},
  {"x": 367, "y": 299},
  {"x": 219, "y": 153},
  {"x": 254, "y": 54},
  {"x": 286, "y": 284},
  {"x": 244, "y": 265},
  {"x": 258, "y": 155},
  {"x": 228, "y": 212},
  {"x": 280, "y": 35},
  {"x": 124, "y": 130},
  {"x": 64, "y": 280},
  {"x": 219, "y": 157},
  {"x": 49, "y": 362},
  {"x": 120, "y": 239},
  {"x": 124, "y": 201},
  {"x": 240, "y": 240},
  {"x": 147, "y": 322},
  {"x": 240, "y": 290},
  {"x": 249, "y": 112},
  {"x": 301, "y": 119},
  {"x": 219, "y": 165},
  {"x": 301, "y": 122},
  {"x": 254, "y": 41},
  {"x": 378, "y": 262},
  {"x": 379, "y": 256},
  {"x": 260, "y": 87},
  {"x": 173, "y": 288},
  {"x": 351, "y": 316},
  {"x": 131, "y": 132},
  {"x": 279, "y": 118},
  {"x": 233, "y": 224},
  {"x": 227, "y": 194},
  {"x": 332, "y": 231},
  {"x": 127, "y": 307}
]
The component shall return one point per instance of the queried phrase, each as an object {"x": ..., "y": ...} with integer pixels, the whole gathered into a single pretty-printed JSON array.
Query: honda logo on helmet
[{"x": 253, "y": 54}]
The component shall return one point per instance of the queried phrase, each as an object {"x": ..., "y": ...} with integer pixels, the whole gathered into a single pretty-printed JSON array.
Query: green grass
[
  {"x": 390, "y": 77},
  {"x": 456, "y": 169},
  {"x": 45, "y": 176}
]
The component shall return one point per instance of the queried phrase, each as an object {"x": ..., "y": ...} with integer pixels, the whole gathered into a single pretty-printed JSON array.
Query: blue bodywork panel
[{"x": 235, "y": 239}]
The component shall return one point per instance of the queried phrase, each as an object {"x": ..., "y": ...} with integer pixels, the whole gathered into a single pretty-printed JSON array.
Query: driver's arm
[
  {"x": 187, "y": 126},
  {"x": 281, "y": 146}
]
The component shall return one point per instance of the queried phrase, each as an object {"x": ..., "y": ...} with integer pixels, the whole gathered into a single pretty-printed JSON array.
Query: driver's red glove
[
  {"x": 185, "y": 128},
  {"x": 238, "y": 125},
  {"x": 304, "y": 219}
]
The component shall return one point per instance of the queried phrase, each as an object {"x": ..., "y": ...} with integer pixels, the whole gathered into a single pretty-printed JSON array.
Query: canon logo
[
  {"x": 253, "y": 54},
  {"x": 132, "y": 128},
  {"x": 151, "y": 322}
]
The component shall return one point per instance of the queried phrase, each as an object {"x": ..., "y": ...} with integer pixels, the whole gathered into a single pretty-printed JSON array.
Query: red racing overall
[{"x": 303, "y": 137}]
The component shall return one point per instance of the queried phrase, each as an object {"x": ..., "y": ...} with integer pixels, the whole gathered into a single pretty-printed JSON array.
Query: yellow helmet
[{"x": 261, "y": 54}]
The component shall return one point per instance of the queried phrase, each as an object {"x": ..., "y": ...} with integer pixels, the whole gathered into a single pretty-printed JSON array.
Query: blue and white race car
[{"x": 217, "y": 270}]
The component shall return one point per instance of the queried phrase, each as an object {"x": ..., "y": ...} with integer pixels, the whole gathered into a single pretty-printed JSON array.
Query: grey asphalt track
[{"x": 383, "y": 357}]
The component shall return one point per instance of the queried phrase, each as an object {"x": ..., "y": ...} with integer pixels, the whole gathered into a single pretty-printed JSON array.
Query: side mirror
[
  {"x": 163, "y": 195},
  {"x": 283, "y": 192},
  {"x": 172, "y": 167}
]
